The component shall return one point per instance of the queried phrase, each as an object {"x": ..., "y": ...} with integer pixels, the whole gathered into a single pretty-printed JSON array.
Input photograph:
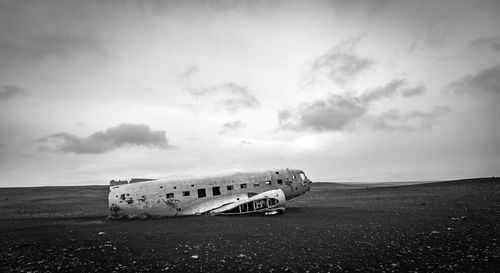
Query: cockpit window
[{"x": 303, "y": 176}]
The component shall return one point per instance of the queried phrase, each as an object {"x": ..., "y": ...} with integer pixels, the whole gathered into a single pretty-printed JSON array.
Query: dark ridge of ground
[
  {"x": 437, "y": 227},
  {"x": 53, "y": 202}
]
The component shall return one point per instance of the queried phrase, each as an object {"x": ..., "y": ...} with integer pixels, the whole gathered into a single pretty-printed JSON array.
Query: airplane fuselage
[{"x": 176, "y": 197}]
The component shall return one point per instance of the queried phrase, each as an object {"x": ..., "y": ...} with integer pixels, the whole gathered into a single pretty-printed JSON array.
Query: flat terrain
[{"x": 437, "y": 227}]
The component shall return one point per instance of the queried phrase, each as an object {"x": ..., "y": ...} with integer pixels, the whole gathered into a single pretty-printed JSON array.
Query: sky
[{"x": 345, "y": 90}]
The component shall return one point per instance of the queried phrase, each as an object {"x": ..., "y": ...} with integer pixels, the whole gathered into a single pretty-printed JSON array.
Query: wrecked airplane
[{"x": 239, "y": 193}]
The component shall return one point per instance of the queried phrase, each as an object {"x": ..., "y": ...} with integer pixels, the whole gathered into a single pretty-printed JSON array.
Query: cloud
[
  {"x": 244, "y": 143},
  {"x": 484, "y": 82},
  {"x": 60, "y": 45},
  {"x": 333, "y": 113},
  {"x": 11, "y": 91},
  {"x": 231, "y": 125},
  {"x": 104, "y": 141},
  {"x": 234, "y": 97},
  {"x": 339, "y": 65},
  {"x": 491, "y": 43},
  {"x": 434, "y": 36},
  {"x": 413, "y": 91},
  {"x": 188, "y": 72},
  {"x": 344, "y": 111},
  {"x": 391, "y": 89},
  {"x": 379, "y": 5},
  {"x": 395, "y": 120}
]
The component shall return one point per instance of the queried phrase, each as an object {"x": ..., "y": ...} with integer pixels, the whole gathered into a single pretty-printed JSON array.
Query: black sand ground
[{"x": 439, "y": 227}]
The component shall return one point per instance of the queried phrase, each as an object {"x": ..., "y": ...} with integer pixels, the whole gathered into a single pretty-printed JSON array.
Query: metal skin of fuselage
[{"x": 207, "y": 195}]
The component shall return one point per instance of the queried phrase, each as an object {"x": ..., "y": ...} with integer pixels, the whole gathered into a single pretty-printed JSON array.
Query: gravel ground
[{"x": 439, "y": 227}]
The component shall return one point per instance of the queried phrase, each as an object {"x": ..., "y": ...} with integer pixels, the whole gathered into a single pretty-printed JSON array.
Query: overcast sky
[{"x": 345, "y": 90}]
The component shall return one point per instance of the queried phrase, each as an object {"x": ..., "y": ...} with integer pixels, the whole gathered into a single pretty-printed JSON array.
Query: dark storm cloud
[
  {"x": 340, "y": 64},
  {"x": 491, "y": 43},
  {"x": 59, "y": 45},
  {"x": 11, "y": 91},
  {"x": 340, "y": 112},
  {"x": 104, "y": 141},
  {"x": 484, "y": 82},
  {"x": 234, "y": 97}
]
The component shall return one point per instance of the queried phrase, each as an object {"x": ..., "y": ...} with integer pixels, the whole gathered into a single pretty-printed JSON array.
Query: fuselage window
[
  {"x": 280, "y": 181},
  {"x": 250, "y": 206},
  {"x": 268, "y": 182},
  {"x": 215, "y": 191},
  {"x": 170, "y": 195},
  {"x": 201, "y": 193},
  {"x": 277, "y": 172},
  {"x": 256, "y": 185},
  {"x": 186, "y": 193},
  {"x": 243, "y": 186},
  {"x": 243, "y": 207},
  {"x": 230, "y": 187}
]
